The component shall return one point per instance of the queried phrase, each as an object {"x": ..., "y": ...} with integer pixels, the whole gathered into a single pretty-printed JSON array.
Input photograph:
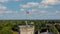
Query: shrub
[{"x": 6, "y": 32}]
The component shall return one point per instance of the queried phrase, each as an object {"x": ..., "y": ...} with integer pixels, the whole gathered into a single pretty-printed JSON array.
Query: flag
[{"x": 27, "y": 12}]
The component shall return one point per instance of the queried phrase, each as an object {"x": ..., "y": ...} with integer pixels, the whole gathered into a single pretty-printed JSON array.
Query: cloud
[
  {"x": 42, "y": 4},
  {"x": 33, "y": 11},
  {"x": 3, "y": 10},
  {"x": 35, "y": 5},
  {"x": 16, "y": 0},
  {"x": 22, "y": 9},
  {"x": 7, "y": 0},
  {"x": 50, "y": 2},
  {"x": 36, "y": 11},
  {"x": 43, "y": 12},
  {"x": 57, "y": 12},
  {"x": 30, "y": 4},
  {"x": 4, "y": 0},
  {"x": 8, "y": 12}
]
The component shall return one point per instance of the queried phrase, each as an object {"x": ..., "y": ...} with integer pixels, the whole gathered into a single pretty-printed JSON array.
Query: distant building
[{"x": 26, "y": 29}]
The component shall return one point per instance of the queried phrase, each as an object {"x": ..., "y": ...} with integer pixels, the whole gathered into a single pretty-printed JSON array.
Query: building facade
[{"x": 26, "y": 29}]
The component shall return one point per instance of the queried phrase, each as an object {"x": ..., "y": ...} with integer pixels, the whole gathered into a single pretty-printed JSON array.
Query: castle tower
[{"x": 23, "y": 29}]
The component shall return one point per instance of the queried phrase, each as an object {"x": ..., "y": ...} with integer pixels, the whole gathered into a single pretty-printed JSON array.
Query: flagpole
[{"x": 26, "y": 17}]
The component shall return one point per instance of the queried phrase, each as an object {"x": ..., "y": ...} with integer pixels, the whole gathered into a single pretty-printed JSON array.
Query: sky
[{"x": 38, "y": 9}]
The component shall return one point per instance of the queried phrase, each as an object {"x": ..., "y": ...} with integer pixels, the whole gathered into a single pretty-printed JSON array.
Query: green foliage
[
  {"x": 1, "y": 28},
  {"x": 58, "y": 27},
  {"x": 53, "y": 29},
  {"x": 7, "y": 25},
  {"x": 6, "y": 32}
]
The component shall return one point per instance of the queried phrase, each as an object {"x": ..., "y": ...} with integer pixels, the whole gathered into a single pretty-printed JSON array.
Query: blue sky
[{"x": 38, "y": 9}]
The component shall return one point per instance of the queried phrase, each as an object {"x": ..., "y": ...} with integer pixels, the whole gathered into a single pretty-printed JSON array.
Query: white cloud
[
  {"x": 24, "y": 6},
  {"x": 2, "y": 7},
  {"x": 57, "y": 12},
  {"x": 36, "y": 11},
  {"x": 22, "y": 9},
  {"x": 50, "y": 2},
  {"x": 33, "y": 11},
  {"x": 4, "y": 0},
  {"x": 35, "y": 5},
  {"x": 43, "y": 12},
  {"x": 30, "y": 4},
  {"x": 44, "y": 6},
  {"x": 7, "y": 0},
  {"x": 7, "y": 12},
  {"x": 17, "y": 0}
]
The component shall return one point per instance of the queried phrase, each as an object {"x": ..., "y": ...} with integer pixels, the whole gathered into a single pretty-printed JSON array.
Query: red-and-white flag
[{"x": 27, "y": 12}]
